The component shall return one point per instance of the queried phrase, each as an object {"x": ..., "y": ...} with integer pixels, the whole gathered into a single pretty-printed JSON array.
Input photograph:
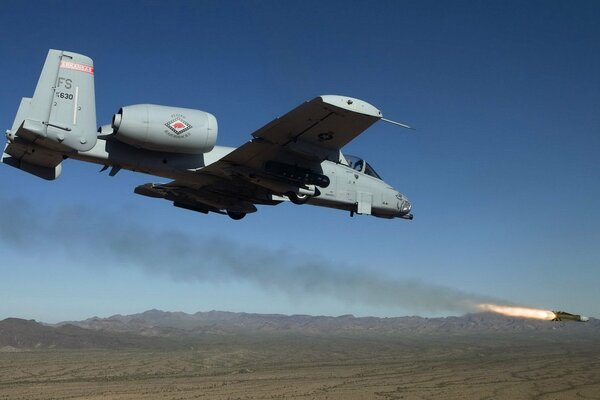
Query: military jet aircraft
[{"x": 295, "y": 157}]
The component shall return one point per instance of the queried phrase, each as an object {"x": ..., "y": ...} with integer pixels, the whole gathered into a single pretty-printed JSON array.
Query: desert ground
[{"x": 488, "y": 366}]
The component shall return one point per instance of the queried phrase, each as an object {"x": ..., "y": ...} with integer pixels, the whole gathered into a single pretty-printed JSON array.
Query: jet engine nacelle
[{"x": 163, "y": 128}]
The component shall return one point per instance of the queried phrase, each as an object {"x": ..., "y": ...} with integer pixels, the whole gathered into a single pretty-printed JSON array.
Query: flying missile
[{"x": 565, "y": 316}]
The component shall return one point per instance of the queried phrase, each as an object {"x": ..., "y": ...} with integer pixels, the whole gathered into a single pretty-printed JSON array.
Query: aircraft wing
[
  {"x": 299, "y": 141},
  {"x": 315, "y": 130},
  {"x": 309, "y": 134}
]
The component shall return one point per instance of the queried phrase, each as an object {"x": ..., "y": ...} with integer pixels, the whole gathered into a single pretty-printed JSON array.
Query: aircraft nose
[{"x": 403, "y": 206}]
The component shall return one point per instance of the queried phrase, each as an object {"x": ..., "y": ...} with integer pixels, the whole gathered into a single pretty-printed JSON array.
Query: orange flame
[{"x": 521, "y": 312}]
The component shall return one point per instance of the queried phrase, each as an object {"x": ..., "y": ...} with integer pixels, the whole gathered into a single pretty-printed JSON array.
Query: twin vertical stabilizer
[
  {"x": 59, "y": 119},
  {"x": 62, "y": 113}
]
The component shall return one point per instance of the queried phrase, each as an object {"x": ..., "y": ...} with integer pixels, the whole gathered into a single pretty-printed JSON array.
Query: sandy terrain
[{"x": 304, "y": 367}]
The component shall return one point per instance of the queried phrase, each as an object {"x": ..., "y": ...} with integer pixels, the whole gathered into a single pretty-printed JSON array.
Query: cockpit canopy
[{"x": 361, "y": 165}]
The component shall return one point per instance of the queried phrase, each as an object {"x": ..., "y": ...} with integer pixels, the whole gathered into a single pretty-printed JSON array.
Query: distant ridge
[
  {"x": 16, "y": 333},
  {"x": 163, "y": 323},
  {"x": 155, "y": 329}
]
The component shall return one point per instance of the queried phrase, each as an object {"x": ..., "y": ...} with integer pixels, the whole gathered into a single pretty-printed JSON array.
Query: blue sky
[{"x": 502, "y": 171}]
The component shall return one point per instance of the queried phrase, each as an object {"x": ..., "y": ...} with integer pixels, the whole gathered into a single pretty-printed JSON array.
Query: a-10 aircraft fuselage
[
  {"x": 296, "y": 157},
  {"x": 347, "y": 183}
]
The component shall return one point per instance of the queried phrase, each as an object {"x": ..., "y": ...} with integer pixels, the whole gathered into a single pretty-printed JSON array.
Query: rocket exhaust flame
[{"x": 520, "y": 312}]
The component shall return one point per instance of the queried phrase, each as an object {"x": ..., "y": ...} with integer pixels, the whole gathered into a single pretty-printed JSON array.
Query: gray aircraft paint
[
  {"x": 60, "y": 121},
  {"x": 63, "y": 108}
]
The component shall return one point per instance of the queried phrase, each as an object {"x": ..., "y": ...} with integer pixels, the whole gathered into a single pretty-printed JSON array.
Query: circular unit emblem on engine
[{"x": 178, "y": 126}]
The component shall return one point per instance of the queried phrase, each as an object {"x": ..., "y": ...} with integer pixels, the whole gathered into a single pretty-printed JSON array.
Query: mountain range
[{"x": 155, "y": 328}]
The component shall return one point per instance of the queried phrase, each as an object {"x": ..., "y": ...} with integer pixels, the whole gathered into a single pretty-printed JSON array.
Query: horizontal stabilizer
[{"x": 32, "y": 165}]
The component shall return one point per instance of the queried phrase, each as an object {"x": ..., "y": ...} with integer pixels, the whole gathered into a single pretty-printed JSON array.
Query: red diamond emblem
[{"x": 178, "y": 125}]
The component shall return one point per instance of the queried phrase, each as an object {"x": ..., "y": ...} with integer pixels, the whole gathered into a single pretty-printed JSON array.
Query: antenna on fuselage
[{"x": 397, "y": 123}]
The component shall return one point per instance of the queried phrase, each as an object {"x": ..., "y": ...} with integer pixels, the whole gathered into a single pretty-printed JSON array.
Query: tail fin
[{"x": 63, "y": 108}]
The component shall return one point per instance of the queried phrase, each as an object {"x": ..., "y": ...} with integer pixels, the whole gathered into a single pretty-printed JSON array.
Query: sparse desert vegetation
[{"x": 280, "y": 365}]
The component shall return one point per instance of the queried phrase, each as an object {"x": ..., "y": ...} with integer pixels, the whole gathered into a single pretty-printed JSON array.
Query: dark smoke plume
[{"x": 92, "y": 237}]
